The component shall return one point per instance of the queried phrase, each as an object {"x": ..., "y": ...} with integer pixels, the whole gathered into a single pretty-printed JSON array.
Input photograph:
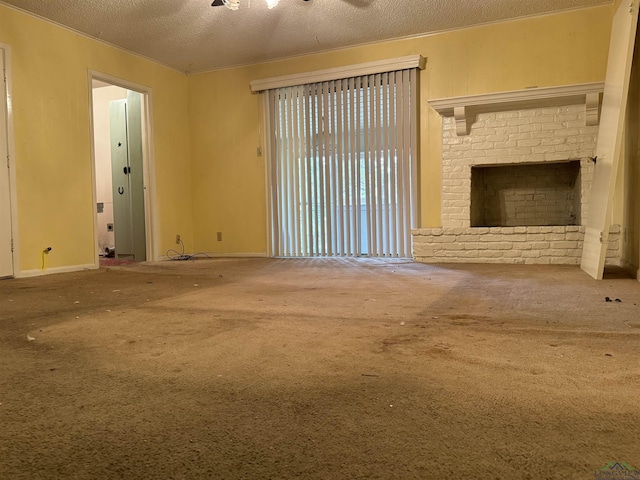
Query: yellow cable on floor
[{"x": 45, "y": 252}]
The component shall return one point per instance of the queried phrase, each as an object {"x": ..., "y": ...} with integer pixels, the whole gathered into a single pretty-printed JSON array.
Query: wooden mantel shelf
[{"x": 465, "y": 108}]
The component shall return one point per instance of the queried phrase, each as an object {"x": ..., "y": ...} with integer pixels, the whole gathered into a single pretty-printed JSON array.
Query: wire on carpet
[{"x": 173, "y": 254}]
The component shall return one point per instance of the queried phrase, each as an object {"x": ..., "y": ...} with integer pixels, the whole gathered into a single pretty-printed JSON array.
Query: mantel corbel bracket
[
  {"x": 592, "y": 108},
  {"x": 462, "y": 122}
]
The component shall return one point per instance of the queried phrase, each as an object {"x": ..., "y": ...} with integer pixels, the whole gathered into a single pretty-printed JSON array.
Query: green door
[{"x": 127, "y": 177}]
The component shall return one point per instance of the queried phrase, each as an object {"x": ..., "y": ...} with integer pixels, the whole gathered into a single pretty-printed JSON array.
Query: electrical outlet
[
  {"x": 219, "y": 236},
  {"x": 178, "y": 239}
]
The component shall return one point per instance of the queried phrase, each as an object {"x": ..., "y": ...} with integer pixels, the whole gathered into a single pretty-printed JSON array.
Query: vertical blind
[{"x": 342, "y": 161}]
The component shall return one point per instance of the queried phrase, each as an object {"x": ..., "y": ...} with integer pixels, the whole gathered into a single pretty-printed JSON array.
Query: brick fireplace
[{"x": 516, "y": 177}]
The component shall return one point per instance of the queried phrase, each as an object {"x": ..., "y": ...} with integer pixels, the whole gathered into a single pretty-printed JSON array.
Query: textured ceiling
[{"x": 192, "y": 36}]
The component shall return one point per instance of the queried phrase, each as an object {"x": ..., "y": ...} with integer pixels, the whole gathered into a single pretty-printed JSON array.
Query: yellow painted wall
[
  {"x": 207, "y": 126},
  {"x": 228, "y": 186},
  {"x": 53, "y": 145},
  {"x": 229, "y": 179}
]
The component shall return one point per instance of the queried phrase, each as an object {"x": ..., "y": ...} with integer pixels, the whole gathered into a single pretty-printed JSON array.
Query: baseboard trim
[
  {"x": 164, "y": 258},
  {"x": 239, "y": 255},
  {"x": 54, "y": 270}
]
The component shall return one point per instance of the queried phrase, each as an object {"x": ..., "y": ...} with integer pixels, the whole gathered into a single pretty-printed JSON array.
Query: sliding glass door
[{"x": 342, "y": 166}]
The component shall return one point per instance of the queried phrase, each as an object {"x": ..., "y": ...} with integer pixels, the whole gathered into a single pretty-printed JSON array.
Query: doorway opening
[{"x": 121, "y": 172}]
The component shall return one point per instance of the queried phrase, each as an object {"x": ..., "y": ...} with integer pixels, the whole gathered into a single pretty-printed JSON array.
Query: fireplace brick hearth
[{"x": 559, "y": 245}]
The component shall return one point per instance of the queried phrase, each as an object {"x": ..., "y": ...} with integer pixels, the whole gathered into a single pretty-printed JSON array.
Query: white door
[
  {"x": 127, "y": 176},
  {"x": 609, "y": 144},
  {"x": 6, "y": 255},
  {"x": 121, "y": 179},
  {"x": 136, "y": 177}
]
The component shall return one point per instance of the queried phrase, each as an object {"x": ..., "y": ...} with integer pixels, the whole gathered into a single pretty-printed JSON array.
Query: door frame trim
[
  {"x": 11, "y": 150},
  {"x": 148, "y": 161}
]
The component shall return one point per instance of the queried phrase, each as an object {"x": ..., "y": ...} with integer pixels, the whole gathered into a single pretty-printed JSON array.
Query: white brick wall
[{"x": 523, "y": 245}]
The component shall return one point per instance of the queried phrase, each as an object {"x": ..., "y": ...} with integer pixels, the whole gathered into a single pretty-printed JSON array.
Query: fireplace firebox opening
[{"x": 539, "y": 194}]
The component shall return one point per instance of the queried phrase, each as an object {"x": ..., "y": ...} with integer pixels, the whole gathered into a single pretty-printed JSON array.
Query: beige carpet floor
[{"x": 319, "y": 369}]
